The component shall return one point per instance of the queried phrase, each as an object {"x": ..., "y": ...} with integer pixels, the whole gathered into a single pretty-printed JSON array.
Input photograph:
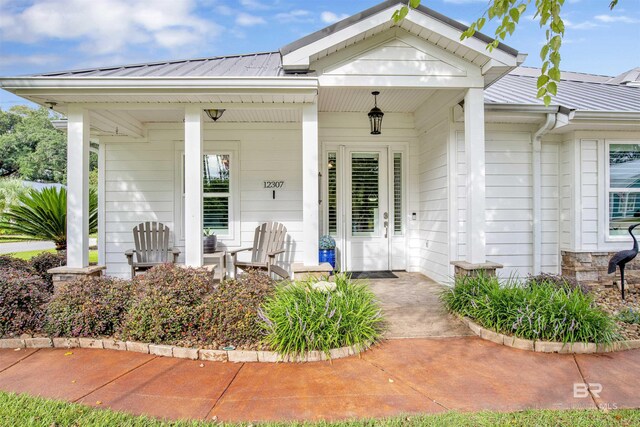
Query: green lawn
[
  {"x": 27, "y": 255},
  {"x": 7, "y": 238},
  {"x": 32, "y": 411}
]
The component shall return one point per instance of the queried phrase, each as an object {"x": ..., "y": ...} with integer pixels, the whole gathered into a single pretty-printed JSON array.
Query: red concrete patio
[{"x": 398, "y": 377}]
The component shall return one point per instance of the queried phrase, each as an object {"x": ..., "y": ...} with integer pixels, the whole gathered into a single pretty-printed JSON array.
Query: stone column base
[
  {"x": 304, "y": 272},
  {"x": 63, "y": 275},
  {"x": 464, "y": 268}
]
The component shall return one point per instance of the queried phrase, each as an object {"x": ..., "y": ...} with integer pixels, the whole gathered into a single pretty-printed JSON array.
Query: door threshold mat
[{"x": 372, "y": 275}]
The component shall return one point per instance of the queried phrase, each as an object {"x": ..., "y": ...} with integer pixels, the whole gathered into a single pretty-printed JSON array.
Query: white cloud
[
  {"x": 6, "y": 60},
  {"x": 615, "y": 18},
  {"x": 331, "y": 17},
  {"x": 585, "y": 25},
  {"x": 108, "y": 26},
  {"x": 246, "y": 20},
  {"x": 298, "y": 15},
  {"x": 254, "y": 5}
]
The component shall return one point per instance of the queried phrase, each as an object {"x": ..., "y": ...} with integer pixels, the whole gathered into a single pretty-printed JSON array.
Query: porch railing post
[
  {"x": 77, "y": 187},
  {"x": 193, "y": 135},
  {"x": 310, "y": 183},
  {"x": 474, "y": 145}
]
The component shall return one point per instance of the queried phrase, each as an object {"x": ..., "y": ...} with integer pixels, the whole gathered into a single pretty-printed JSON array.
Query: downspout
[{"x": 536, "y": 166}]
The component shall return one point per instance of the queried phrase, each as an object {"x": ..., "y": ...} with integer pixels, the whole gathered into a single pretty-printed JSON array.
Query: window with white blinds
[
  {"x": 624, "y": 187},
  {"x": 364, "y": 193},
  {"x": 216, "y": 192},
  {"x": 397, "y": 194},
  {"x": 332, "y": 193}
]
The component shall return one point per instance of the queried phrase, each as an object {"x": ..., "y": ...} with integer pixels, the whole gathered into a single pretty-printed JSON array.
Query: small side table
[{"x": 219, "y": 257}]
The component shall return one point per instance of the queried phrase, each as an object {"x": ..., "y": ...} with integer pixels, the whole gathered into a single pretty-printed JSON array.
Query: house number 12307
[{"x": 273, "y": 184}]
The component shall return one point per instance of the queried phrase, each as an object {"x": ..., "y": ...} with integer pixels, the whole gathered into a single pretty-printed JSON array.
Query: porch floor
[{"x": 413, "y": 309}]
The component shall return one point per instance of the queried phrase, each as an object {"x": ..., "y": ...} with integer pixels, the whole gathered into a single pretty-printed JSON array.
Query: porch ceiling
[{"x": 336, "y": 99}]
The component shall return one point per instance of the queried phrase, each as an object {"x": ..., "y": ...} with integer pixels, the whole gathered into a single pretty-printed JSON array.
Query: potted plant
[
  {"x": 327, "y": 250},
  {"x": 210, "y": 241}
]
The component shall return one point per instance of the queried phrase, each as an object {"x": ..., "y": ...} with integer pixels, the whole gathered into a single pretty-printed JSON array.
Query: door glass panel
[
  {"x": 397, "y": 194},
  {"x": 364, "y": 193},
  {"x": 332, "y": 201}
]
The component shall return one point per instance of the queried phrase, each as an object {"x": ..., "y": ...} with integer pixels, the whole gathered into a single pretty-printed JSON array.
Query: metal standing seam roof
[
  {"x": 573, "y": 94},
  {"x": 265, "y": 64}
]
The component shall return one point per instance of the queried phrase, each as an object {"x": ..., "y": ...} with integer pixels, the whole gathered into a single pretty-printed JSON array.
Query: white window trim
[
  {"x": 233, "y": 238},
  {"x": 607, "y": 190}
]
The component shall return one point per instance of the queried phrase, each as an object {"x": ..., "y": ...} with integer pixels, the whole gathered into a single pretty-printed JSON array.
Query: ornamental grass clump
[
  {"x": 302, "y": 316},
  {"x": 89, "y": 307},
  {"x": 230, "y": 315},
  {"x": 538, "y": 310},
  {"x": 23, "y": 298},
  {"x": 167, "y": 304}
]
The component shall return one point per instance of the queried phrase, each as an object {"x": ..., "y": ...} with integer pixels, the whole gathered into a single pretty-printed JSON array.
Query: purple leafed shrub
[
  {"x": 167, "y": 304},
  {"x": 230, "y": 314},
  {"x": 89, "y": 307},
  {"x": 23, "y": 297},
  {"x": 7, "y": 261},
  {"x": 45, "y": 261}
]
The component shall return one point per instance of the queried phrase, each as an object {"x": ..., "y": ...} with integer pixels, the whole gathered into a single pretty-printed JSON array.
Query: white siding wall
[
  {"x": 584, "y": 222},
  {"x": 509, "y": 212},
  {"x": 142, "y": 183},
  {"x": 433, "y": 186}
]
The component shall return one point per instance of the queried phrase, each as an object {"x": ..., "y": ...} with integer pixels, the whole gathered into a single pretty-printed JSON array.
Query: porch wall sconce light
[
  {"x": 214, "y": 113},
  {"x": 375, "y": 115}
]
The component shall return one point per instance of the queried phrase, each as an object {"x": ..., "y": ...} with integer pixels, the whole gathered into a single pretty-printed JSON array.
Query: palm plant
[{"x": 42, "y": 214}]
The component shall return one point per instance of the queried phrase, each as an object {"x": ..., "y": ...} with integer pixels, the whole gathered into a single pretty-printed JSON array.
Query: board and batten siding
[
  {"x": 142, "y": 184},
  {"x": 509, "y": 202}
]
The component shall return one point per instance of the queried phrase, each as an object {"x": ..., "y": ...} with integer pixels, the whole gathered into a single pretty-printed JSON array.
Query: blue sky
[{"x": 51, "y": 35}]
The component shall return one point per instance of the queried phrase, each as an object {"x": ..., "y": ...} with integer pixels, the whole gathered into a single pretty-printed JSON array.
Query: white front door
[{"x": 367, "y": 210}]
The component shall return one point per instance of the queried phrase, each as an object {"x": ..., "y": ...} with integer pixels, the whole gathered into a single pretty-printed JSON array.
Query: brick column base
[
  {"x": 304, "y": 272},
  {"x": 463, "y": 268},
  {"x": 63, "y": 275}
]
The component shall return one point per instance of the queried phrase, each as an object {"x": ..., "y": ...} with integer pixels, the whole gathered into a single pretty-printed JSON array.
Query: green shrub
[
  {"x": 537, "y": 311},
  {"x": 23, "y": 297},
  {"x": 299, "y": 318},
  {"x": 89, "y": 307},
  {"x": 7, "y": 261},
  {"x": 629, "y": 315},
  {"x": 167, "y": 304},
  {"x": 557, "y": 281},
  {"x": 45, "y": 261},
  {"x": 230, "y": 315}
]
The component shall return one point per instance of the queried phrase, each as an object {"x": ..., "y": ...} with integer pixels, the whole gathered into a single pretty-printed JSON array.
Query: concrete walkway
[
  {"x": 398, "y": 377},
  {"x": 9, "y": 248},
  {"x": 413, "y": 309}
]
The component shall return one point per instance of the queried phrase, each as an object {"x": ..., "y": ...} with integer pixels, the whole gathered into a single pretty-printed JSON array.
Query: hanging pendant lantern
[{"x": 375, "y": 115}]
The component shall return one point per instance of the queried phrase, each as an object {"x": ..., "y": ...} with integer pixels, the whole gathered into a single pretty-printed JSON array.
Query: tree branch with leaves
[{"x": 508, "y": 13}]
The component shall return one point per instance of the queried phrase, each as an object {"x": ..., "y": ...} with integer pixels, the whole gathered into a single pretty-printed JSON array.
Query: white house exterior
[{"x": 470, "y": 166}]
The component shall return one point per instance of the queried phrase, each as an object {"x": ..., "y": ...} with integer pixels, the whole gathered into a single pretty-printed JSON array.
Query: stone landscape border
[
  {"x": 548, "y": 346},
  {"x": 236, "y": 356}
]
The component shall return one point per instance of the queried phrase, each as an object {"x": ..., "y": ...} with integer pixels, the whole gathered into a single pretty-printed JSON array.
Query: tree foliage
[
  {"x": 508, "y": 13},
  {"x": 30, "y": 147}
]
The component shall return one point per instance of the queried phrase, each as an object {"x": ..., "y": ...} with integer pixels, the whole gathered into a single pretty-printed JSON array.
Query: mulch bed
[{"x": 610, "y": 301}]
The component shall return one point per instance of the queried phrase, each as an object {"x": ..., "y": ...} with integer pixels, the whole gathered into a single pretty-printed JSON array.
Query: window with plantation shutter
[
  {"x": 624, "y": 187},
  {"x": 364, "y": 193},
  {"x": 332, "y": 193},
  {"x": 397, "y": 194}
]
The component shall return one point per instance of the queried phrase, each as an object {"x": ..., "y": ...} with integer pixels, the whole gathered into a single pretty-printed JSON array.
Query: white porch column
[
  {"x": 475, "y": 159},
  {"x": 310, "y": 183},
  {"x": 77, "y": 187},
  {"x": 193, "y": 135}
]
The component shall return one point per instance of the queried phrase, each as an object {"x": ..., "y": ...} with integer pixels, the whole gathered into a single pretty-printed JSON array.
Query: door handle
[{"x": 386, "y": 229}]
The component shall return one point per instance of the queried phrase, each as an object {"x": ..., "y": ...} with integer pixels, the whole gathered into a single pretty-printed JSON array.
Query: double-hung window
[
  {"x": 217, "y": 193},
  {"x": 624, "y": 187}
]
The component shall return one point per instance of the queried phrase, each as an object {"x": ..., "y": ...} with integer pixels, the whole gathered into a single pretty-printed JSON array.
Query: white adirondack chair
[
  {"x": 152, "y": 247},
  {"x": 268, "y": 243}
]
